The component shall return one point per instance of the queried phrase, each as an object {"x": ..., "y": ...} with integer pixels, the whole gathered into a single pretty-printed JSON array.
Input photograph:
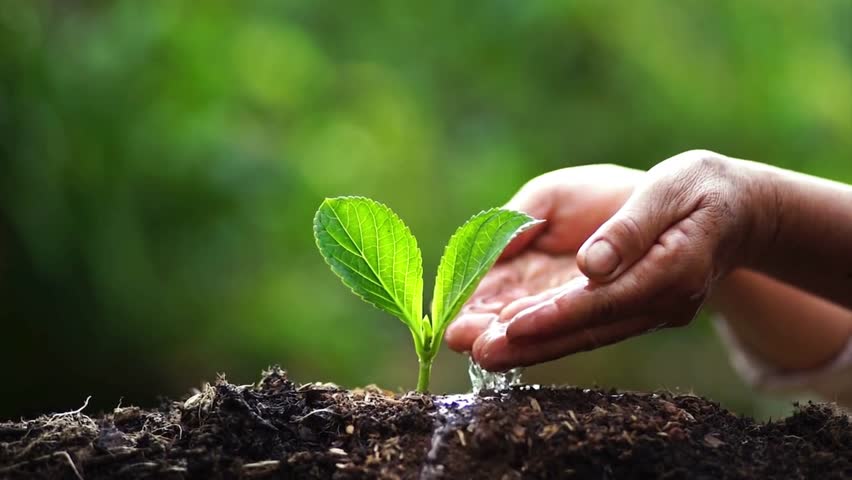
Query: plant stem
[{"x": 423, "y": 377}]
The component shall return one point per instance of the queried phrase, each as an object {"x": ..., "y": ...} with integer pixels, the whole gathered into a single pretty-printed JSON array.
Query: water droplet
[{"x": 481, "y": 379}]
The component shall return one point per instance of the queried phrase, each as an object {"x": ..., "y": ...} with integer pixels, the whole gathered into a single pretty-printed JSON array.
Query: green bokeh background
[{"x": 160, "y": 164}]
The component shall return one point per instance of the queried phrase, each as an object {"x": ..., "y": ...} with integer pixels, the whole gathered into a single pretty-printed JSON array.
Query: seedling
[{"x": 374, "y": 253}]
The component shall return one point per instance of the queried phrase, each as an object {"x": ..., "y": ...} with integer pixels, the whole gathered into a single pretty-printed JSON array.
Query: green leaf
[
  {"x": 426, "y": 329},
  {"x": 375, "y": 255},
  {"x": 472, "y": 251}
]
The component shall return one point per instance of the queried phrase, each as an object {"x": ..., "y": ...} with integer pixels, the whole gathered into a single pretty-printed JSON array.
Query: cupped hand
[
  {"x": 509, "y": 286},
  {"x": 649, "y": 246},
  {"x": 574, "y": 202}
]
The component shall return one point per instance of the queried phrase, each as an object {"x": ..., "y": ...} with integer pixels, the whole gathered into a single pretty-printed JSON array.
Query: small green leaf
[
  {"x": 375, "y": 255},
  {"x": 472, "y": 251},
  {"x": 426, "y": 329}
]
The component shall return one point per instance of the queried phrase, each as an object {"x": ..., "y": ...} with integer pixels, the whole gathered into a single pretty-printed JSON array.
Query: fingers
[
  {"x": 461, "y": 334},
  {"x": 475, "y": 317},
  {"x": 495, "y": 352},
  {"x": 665, "y": 288},
  {"x": 522, "y": 304},
  {"x": 576, "y": 306},
  {"x": 628, "y": 235},
  {"x": 478, "y": 314},
  {"x": 689, "y": 184},
  {"x": 656, "y": 252},
  {"x": 673, "y": 277}
]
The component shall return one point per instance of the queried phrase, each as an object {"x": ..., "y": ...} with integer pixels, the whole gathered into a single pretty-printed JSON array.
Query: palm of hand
[
  {"x": 526, "y": 275},
  {"x": 508, "y": 288}
]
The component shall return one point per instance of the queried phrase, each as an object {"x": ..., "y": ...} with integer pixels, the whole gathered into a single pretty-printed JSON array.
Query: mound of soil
[{"x": 278, "y": 429}]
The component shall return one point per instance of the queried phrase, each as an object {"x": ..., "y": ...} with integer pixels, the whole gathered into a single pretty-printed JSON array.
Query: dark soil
[{"x": 277, "y": 429}]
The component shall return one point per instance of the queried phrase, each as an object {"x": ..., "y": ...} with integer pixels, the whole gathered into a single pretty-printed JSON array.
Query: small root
[
  {"x": 312, "y": 412},
  {"x": 68, "y": 414},
  {"x": 63, "y": 454},
  {"x": 67, "y": 457}
]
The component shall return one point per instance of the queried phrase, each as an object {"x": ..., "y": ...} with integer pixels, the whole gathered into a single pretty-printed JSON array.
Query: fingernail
[{"x": 601, "y": 259}]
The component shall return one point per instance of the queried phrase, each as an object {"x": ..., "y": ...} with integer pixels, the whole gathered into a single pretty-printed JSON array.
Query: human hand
[
  {"x": 575, "y": 202},
  {"x": 649, "y": 247}
]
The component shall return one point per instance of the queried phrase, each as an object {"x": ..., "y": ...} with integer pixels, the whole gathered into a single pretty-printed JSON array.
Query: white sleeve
[{"x": 833, "y": 381}]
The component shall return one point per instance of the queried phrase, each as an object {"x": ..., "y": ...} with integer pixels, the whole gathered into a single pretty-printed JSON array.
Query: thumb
[{"x": 631, "y": 232}]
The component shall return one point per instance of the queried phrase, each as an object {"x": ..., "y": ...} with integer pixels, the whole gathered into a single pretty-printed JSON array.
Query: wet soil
[{"x": 279, "y": 429}]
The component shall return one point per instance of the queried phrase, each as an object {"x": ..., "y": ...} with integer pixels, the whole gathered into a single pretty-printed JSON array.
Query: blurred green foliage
[{"x": 160, "y": 163}]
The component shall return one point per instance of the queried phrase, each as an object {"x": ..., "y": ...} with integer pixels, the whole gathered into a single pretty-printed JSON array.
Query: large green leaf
[
  {"x": 374, "y": 253},
  {"x": 472, "y": 251}
]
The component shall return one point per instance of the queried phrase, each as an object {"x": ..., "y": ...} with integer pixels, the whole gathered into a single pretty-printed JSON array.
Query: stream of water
[{"x": 481, "y": 379}]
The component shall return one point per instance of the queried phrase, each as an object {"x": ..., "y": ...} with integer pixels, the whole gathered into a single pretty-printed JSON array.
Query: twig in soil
[
  {"x": 63, "y": 454},
  {"x": 573, "y": 416},
  {"x": 151, "y": 466},
  {"x": 259, "y": 469}
]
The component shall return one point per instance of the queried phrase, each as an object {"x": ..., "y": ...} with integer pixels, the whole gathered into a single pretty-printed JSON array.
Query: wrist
[{"x": 762, "y": 212}]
